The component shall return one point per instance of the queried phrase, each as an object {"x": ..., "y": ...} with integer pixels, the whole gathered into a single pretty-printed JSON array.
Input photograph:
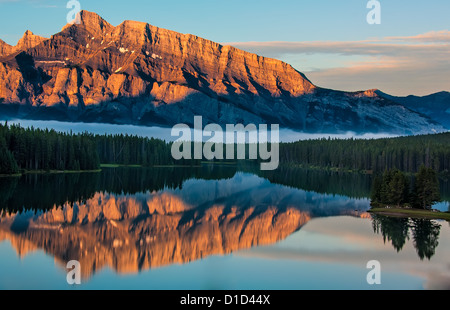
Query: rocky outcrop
[
  {"x": 5, "y": 48},
  {"x": 141, "y": 74},
  {"x": 29, "y": 40},
  {"x": 435, "y": 106}
]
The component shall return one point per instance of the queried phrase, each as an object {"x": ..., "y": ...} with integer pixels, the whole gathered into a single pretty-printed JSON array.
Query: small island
[{"x": 394, "y": 194}]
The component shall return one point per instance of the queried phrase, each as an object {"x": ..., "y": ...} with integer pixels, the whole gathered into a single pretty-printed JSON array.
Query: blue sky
[{"x": 264, "y": 27}]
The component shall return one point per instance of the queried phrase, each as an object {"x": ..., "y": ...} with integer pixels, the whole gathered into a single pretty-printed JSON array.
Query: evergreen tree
[
  {"x": 36, "y": 149},
  {"x": 398, "y": 188},
  {"x": 391, "y": 189},
  {"x": 426, "y": 188},
  {"x": 386, "y": 187},
  {"x": 425, "y": 237},
  {"x": 8, "y": 164},
  {"x": 395, "y": 230},
  {"x": 376, "y": 189},
  {"x": 405, "y": 153}
]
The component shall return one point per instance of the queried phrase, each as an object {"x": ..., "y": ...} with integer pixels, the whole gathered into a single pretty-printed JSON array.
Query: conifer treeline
[
  {"x": 394, "y": 188},
  {"x": 37, "y": 149},
  {"x": 407, "y": 154},
  {"x": 133, "y": 150}
]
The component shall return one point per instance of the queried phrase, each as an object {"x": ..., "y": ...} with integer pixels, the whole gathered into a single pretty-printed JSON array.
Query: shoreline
[
  {"x": 28, "y": 172},
  {"x": 415, "y": 213}
]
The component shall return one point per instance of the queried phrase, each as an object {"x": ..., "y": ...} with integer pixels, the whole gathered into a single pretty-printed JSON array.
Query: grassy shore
[
  {"x": 59, "y": 171},
  {"x": 10, "y": 175},
  {"x": 23, "y": 172},
  {"x": 416, "y": 213},
  {"x": 118, "y": 166},
  {"x": 141, "y": 166},
  {"x": 47, "y": 172}
]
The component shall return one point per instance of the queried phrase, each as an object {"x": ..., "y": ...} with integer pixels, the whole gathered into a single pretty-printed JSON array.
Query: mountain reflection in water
[{"x": 133, "y": 220}]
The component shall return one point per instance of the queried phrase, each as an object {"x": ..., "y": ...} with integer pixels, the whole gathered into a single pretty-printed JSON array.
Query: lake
[{"x": 214, "y": 227}]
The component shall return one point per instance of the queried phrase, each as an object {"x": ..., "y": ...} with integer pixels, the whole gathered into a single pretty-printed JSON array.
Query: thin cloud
[
  {"x": 343, "y": 48},
  {"x": 433, "y": 36},
  {"x": 398, "y": 65}
]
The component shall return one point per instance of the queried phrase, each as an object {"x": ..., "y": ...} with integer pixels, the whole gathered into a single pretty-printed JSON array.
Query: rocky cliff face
[
  {"x": 140, "y": 74},
  {"x": 29, "y": 40},
  {"x": 436, "y": 106},
  {"x": 5, "y": 49}
]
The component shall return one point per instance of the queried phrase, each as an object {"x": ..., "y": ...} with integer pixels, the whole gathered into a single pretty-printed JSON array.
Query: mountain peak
[
  {"x": 136, "y": 73},
  {"x": 91, "y": 18},
  {"x": 371, "y": 92},
  {"x": 29, "y": 40},
  {"x": 93, "y": 22}
]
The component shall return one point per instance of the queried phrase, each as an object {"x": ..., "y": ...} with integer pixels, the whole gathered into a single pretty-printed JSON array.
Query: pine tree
[
  {"x": 385, "y": 187},
  {"x": 8, "y": 164},
  {"x": 398, "y": 188},
  {"x": 376, "y": 189},
  {"x": 426, "y": 188}
]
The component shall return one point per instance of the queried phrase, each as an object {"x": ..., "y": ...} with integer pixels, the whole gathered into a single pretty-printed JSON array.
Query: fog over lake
[{"x": 286, "y": 135}]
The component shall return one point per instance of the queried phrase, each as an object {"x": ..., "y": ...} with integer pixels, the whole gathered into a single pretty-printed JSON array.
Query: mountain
[
  {"x": 436, "y": 106},
  {"x": 5, "y": 48},
  {"x": 136, "y": 73},
  {"x": 29, "y": 40}
]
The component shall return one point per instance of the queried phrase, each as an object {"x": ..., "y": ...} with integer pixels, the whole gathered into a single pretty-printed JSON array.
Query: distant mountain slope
[
  {"x": 29, "y": 40},
  {"x": 435, "y": 106},
  {"x": 136, "y": 73}
]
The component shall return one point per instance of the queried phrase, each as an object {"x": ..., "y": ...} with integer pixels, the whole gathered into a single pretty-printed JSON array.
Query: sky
[{"x": 328, "y": 40}]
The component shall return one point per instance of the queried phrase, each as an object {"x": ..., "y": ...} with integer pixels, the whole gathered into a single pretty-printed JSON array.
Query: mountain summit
[
  {"x": 136, "y": 73},
  {"x": 29, "y": 40}
]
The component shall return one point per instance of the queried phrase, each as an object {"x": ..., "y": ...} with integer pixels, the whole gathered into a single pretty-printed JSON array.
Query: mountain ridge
[
  {"x": 28, "y": 40},
  {"x": 436, "y": 106},
  {"x": 136, "y": 73}
]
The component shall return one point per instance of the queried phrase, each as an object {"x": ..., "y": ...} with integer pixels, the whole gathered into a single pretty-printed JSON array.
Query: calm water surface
[{"x": 211, "y": 228}]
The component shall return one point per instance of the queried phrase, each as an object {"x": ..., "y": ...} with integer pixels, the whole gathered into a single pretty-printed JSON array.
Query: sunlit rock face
[
  {"x": 140, "y": 74},
  {"x": 29, "y": 40},
  {"x": 129, "y": 234}
]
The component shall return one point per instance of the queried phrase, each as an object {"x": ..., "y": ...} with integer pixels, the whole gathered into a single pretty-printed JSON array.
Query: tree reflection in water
[{"x": 396, "y": 230}]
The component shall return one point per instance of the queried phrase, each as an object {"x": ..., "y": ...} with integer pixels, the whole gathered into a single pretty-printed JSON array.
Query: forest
[
  {"x": 35, "y": 149},
  {"x": 394, "y": 188},
  {"x": 406, "y": 154},
  {"x": 29, "y": 149}
]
